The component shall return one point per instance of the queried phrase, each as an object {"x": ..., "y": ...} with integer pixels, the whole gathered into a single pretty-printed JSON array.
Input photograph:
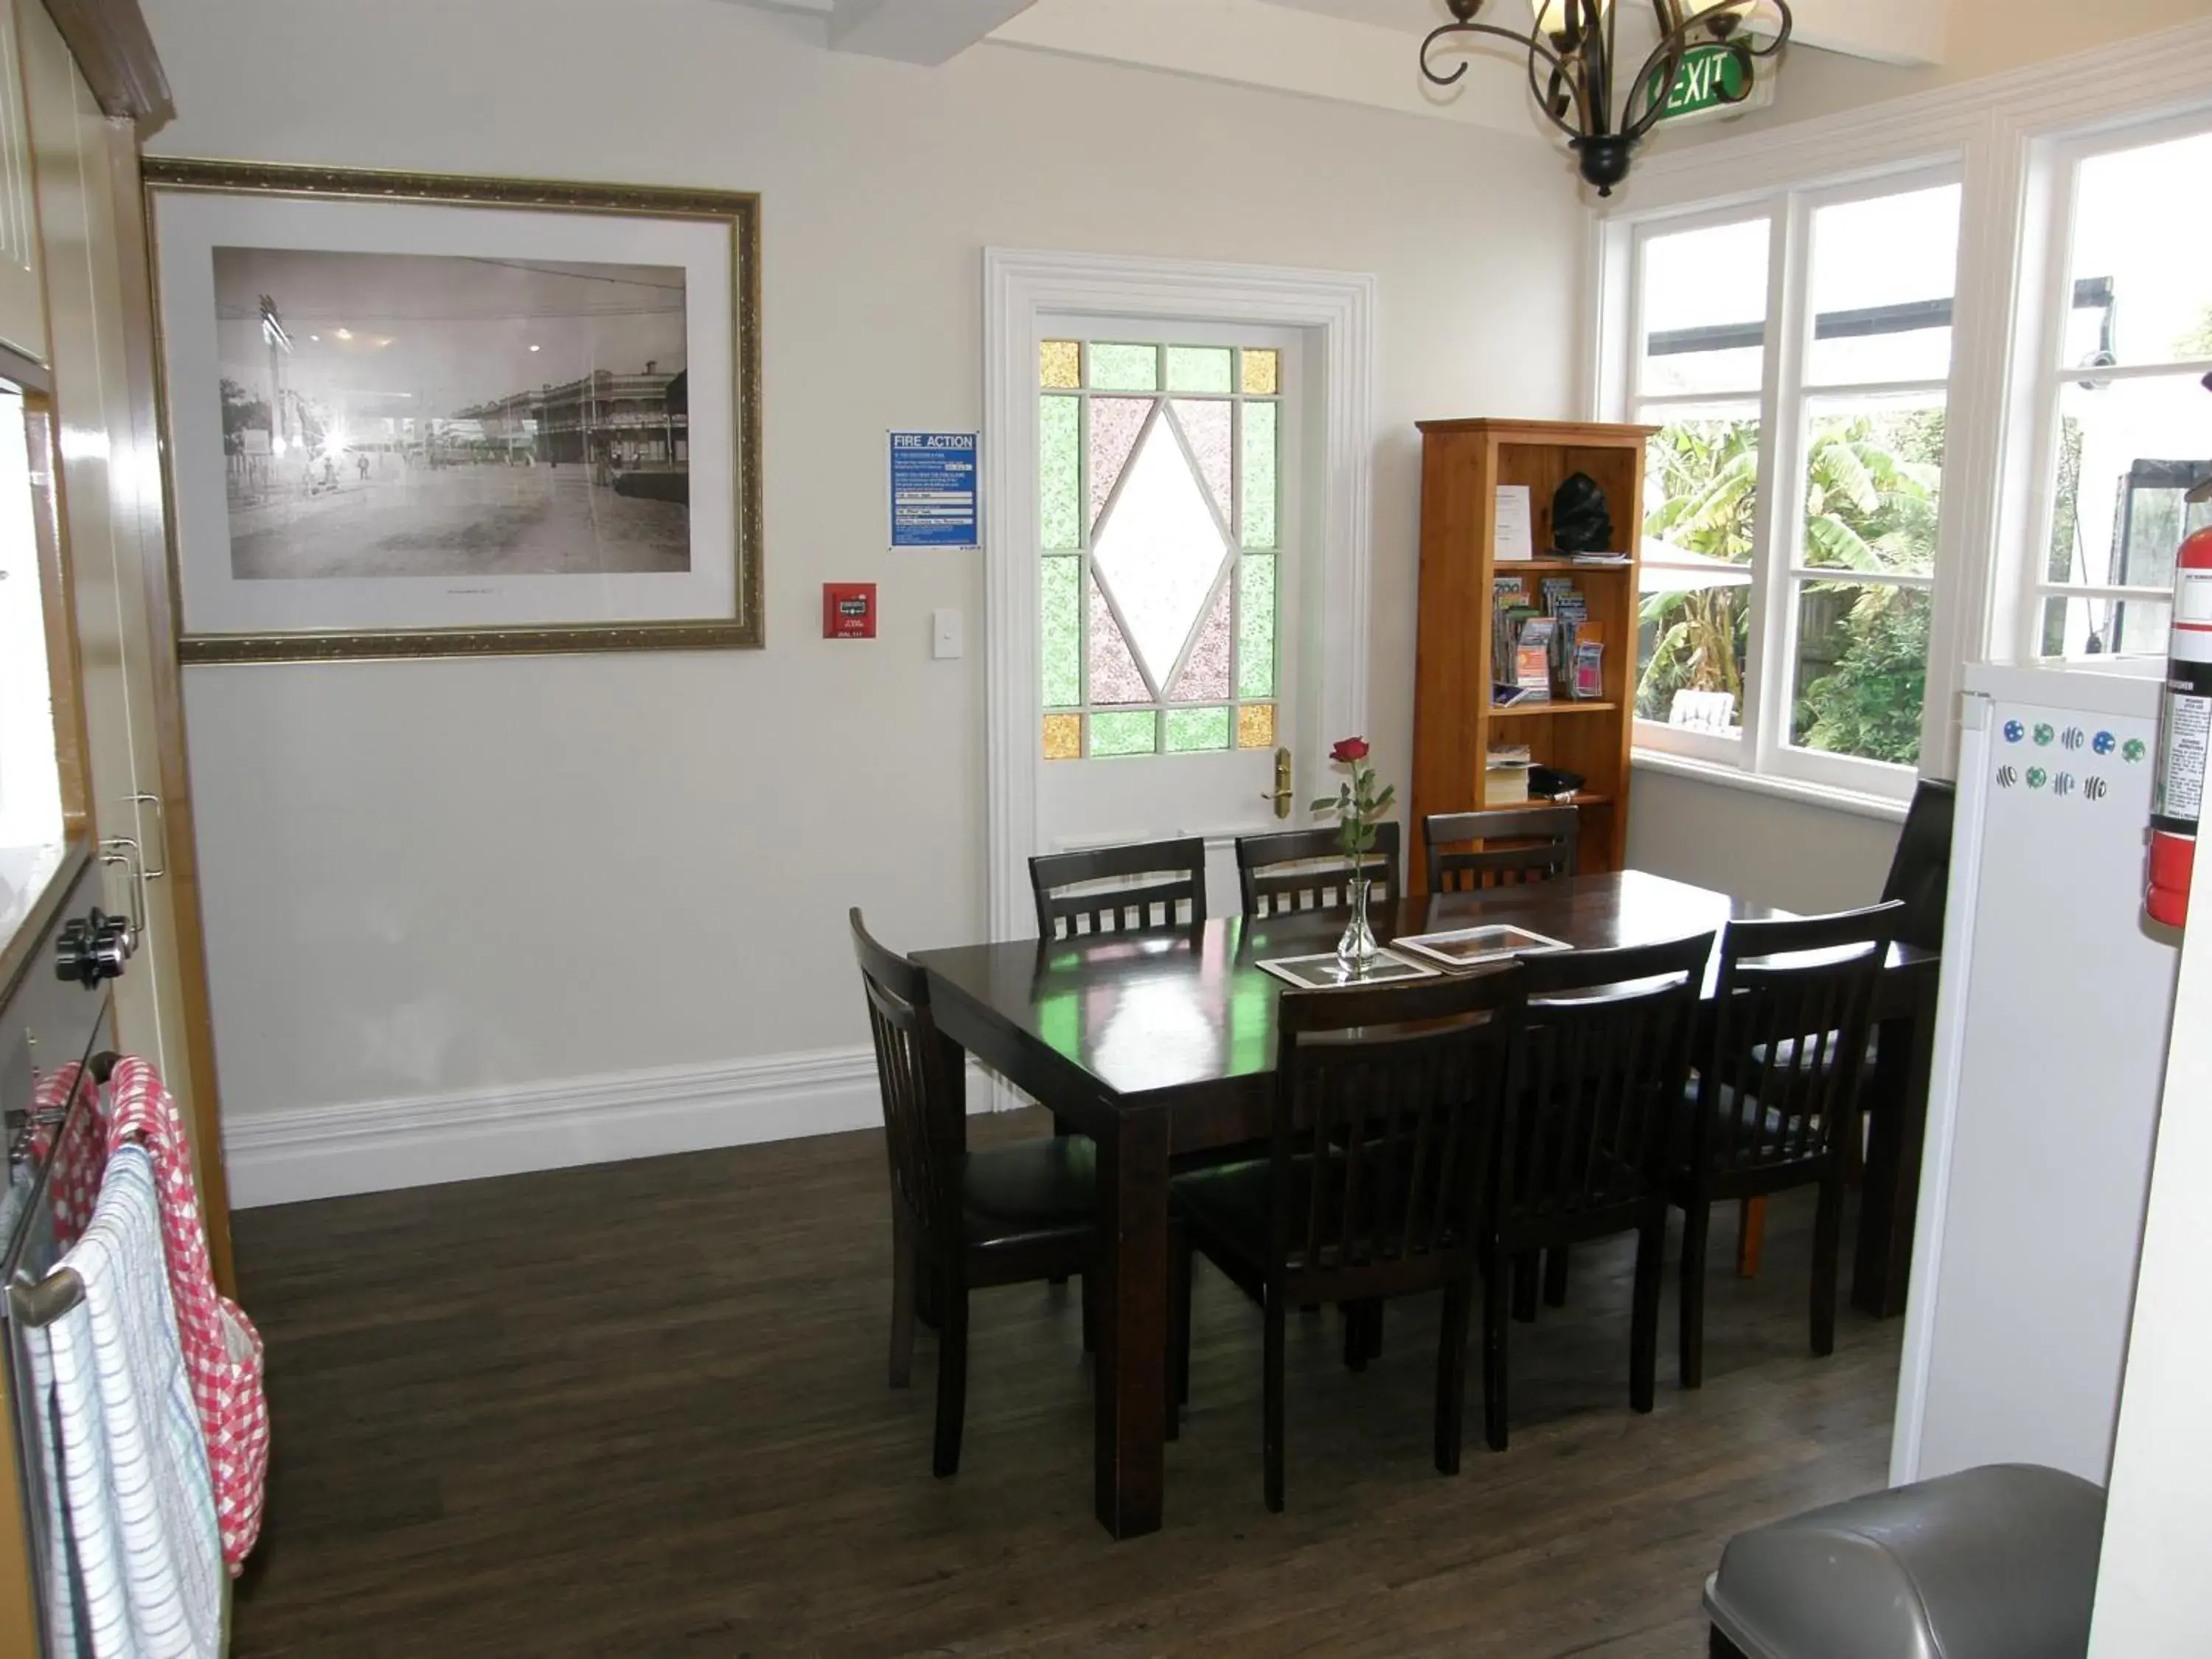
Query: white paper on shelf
[{"x": 1510, "y": 528}]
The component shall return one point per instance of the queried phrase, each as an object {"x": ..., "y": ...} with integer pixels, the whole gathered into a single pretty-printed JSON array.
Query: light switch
[{"x": 945, "y": 634}]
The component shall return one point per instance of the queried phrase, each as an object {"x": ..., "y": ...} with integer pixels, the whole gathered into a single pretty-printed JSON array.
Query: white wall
[
  {"x": 1797, "y": 854},
  {"x": 482, "y": 878}
]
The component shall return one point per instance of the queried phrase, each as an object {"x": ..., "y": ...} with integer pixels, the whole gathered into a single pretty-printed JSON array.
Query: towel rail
[{"x": 37, "y": 1302}]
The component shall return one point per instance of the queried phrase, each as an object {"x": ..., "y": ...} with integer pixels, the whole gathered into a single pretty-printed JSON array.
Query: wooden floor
[{"x": 639, "y": 1409}]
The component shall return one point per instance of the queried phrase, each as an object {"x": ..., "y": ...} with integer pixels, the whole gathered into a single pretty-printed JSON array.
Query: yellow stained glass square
[
  {"x": 1063, "y": 737},
  {"x": 1059, "y": 365},
  {"x": 1256, "y": 725},
  {"x": 1263, "y": 372}
]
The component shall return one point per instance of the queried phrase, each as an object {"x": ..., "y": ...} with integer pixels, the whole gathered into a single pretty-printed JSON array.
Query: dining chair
[
  {"x": 1599, "y": 1060},
  {"x": 1776, "y": 1090},
  {"x": 1305, "y": 870},
  {"x": 1155, "y": 885},
  {"x": 1534, "y": 843},
  {"x": 1384, "y": 1121},
  {"x": 961, "y": 1221}
]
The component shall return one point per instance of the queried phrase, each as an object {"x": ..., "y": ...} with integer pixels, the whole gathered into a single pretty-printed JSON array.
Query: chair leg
[
  {"x": 1525, "y": 1267},
  {"x": 1719, "y": 1647},
  {"x": 1271, "y": 1426},
  {"x": 1451, "y": 1376},
  {"x": 1060, "y": 1132},
  {"x": 1750, "y": 1236},
  {"x": 1179, "y": 1267},
  {"x": 1375, "y": 1328},
  {"x": 1496, "y": 1292},
  {"x": 904, "y": 1269},
  {"x": 1355, "y": 1335},
  {"x": 951, "y": 1380},
  {"x": 1555, "y": 1277},
  {"x": 1697, "y": 1220},
  {"x": 1644, "y": 1320},
  {"x": 1090, "y": 1313},
  {"x": 1828, "y": 1238}
]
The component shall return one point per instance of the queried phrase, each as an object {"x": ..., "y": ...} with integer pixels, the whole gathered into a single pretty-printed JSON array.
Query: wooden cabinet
[{"x": 1456, "y": 723}]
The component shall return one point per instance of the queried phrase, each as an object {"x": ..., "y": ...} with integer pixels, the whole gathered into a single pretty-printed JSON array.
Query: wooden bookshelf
[{"x": 1454, "y": 724}]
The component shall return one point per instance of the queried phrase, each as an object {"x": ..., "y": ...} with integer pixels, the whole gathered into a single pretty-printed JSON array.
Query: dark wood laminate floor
[{"x": 639, "y": 1409}]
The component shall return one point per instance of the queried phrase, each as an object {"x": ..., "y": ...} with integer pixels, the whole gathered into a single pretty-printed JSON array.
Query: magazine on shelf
[
  {"x": 1324, "y": 972},
  {"x": 1478, "y": 947}
]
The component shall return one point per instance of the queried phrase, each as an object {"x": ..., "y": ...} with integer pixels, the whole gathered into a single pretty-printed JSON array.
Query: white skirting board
[{"x": 327, "y": 1152}]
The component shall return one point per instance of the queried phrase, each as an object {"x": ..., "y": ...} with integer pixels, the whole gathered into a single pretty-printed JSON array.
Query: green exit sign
[{"x": 1713, "y": 80}]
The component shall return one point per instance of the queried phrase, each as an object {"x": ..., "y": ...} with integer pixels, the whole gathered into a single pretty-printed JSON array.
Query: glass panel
[
  {"x": 1262, "y": 373},
  {"x": 1255, "y": 628},
  {"x": 1115, "y": 424},
  {"x": 1063, "y": 737},
  {"x": 1125, "y": 368},
  {"x": 1256, "y": 725},
  {"x": 1883, "y": 274},
  {"x": 1059, "y": 364},
  {"x": 1063, "y": 633},
  {"x": 1198, "y": 368},
  {"x": 1704, "y": 310},
  {"x": 1160, "y": 550},
  {"x": 2105, "y": 627},
  {"x": 1874, "y": 482},
  {"x": 30, "y": 757},
  {"x": 2128, "y": 452},
  {"x": 2143, "y": 260},
  {"x": 1191, "y": 730},
  {"x": 1206, "y": 671},
  {"x": 1258, "y": 475},
  {"x": 1059, "y": 471},
  {"x": 1125, "y": 733},
  {"x": 1114, "y": 675},
  {"x": 1693, "y": 634},
  {"x": 1206, "y": 426},
  {"x": 1862, "y": 671}
]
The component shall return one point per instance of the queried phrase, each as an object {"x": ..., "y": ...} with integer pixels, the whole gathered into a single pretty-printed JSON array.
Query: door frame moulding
[{"x": 1337, "y": 311}]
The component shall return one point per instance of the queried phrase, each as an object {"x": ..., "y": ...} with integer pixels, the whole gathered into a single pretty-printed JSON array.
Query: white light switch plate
[{"x": 945, "y": 633}]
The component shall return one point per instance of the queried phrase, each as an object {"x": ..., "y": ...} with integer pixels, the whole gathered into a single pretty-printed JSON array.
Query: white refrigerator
[{"x": 2050, "y": 1055}]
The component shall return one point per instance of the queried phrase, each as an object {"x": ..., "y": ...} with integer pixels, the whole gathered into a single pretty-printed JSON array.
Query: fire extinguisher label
[
  {"x": 2177, "y": 787},
  {"x": 2192, "y": 598}
]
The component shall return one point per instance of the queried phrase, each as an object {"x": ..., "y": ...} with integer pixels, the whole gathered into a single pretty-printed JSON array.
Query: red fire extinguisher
[{"x": 2184, "y": 733}]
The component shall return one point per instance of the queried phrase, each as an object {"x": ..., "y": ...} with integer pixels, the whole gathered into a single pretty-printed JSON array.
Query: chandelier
[{"x": 1574, "y": 62}]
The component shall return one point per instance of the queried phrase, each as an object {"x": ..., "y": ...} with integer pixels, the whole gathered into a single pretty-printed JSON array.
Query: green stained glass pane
[
  {"x": 1198, "y": 368},
  {"x": 1063, "y": 633},
  {"x": 1125, "y": 733},
  {"x": 1125, "y": 368},
  {"x": 1256, "y": 627},
  {"x": 1059, "y": 471},
  {"x": 1260, "y": 448},
  {"x": 1190, "y": 729}
]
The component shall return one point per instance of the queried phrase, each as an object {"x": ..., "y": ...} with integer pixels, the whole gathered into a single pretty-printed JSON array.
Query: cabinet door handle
[{"x": 161, "y": 813}]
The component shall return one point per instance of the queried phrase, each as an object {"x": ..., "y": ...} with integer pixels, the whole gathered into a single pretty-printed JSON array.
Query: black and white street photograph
[{"x": 401, "y": 414}]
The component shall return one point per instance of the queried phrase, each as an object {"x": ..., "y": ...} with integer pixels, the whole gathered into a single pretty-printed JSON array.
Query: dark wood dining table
[{"x": 1160, "y": 1047}]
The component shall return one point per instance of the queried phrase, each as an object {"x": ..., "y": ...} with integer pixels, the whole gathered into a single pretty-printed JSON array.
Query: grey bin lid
[{"x": 1995, "y": 1563}]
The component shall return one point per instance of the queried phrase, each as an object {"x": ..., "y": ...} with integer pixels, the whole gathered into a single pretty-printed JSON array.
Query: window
[
  {"x": 2126, "y": 427},
  {"x": 1795, "y": 356},
  {"x": 1159, "y": 476},
  {"x": 30, "y": 754}
]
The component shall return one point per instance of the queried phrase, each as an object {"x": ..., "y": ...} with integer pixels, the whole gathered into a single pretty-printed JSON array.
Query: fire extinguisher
[{"x": 2184, "y": 733}]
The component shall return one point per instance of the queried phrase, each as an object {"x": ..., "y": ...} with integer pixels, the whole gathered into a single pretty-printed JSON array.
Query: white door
[{"x": 1168, "y": 464}]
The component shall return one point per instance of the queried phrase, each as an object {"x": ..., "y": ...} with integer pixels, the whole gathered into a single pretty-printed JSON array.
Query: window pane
[
  {"x": 2128, "y": 452},
  {"x": 1114, "y": 675},
  {"x": 1192, "y": 730},
  {"x": 1206, "y": 428},
  {"x": 1883, "y": 274},
  {"x": 1063, "y": 737},
  {"x": 1874, "y": 480},
  {"x": 1059, "y": 471},
  {"x": 1116, "y": 425},
  {"x": 1255, "y": 628},
  {"x": 1204, "y": 674},
  {"x": 1125, "y": 368},
  {"x": 1262, "y": 373},
  {"x": 1259, "y": 439},
  {"x": 30, "y": 764},
  {"x": 1063, "y": 633},
  {"x": 1198, "y": 368},
  {"x": 1059, "y": 365},
  {"x": 2105, "y": 627},
  {"x": 1862, "y": 671},
  {"x": 1256, "y": 725},
  {"x": 2143, "y": 259},
  {"x": 1160, "y": 549},
  {"x": 1704, "y": 310},
  {"x": 1125, "y": 733},
  {"x": 1701, "y": 497}
]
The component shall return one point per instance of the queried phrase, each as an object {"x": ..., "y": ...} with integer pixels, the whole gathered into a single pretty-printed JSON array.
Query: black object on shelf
[
  {"x": 1582, "y": 518},
  {"x": 1549, "y": 782}
]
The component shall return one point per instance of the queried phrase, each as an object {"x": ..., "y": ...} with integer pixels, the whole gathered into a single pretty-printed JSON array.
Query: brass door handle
[{"x": 1281, "y": 794}]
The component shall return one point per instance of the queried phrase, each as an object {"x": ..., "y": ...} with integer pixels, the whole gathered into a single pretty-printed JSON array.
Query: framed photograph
[
  {"x": 420, "y": 415},
  {"x": 1478, "y": 947},
  {"x": 1325, "y": 973}
]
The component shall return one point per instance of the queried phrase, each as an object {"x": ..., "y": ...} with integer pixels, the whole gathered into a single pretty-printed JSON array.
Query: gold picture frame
[{"x": 673, "y": 215}]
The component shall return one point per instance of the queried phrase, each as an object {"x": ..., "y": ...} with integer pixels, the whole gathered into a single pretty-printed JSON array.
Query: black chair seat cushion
[
  {"x": 1030, "y": 1186},
  {"x": 1731, "y": 1110},
  {"x": 1229, "y": 1205}
]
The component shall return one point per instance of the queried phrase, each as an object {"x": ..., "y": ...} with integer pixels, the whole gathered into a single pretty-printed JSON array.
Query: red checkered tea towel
[
  {"x": 223, "y": 1351},
  {"x": 80, "y": 1158}
]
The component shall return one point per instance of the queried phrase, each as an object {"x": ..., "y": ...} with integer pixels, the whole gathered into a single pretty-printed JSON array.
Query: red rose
[{"x": 1349, "y": 750}]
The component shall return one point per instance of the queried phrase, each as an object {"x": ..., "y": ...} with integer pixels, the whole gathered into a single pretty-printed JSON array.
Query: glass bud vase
[{"x": 1358, "y": 948}]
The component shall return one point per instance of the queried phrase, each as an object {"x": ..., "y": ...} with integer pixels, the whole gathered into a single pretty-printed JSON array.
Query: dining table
[{"x": 1160, "y": 1046}]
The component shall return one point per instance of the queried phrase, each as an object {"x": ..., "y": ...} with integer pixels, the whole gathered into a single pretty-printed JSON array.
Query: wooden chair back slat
[
  {"x": 1158, "y": 886},
  {"x": 1536, "y": 843},
  {"x": 920, "y": 1086},
  {"x": 1305, "y": 870}
]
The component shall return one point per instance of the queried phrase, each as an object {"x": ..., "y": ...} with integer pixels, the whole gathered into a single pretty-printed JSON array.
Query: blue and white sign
[{"x": 934, "y": 489}]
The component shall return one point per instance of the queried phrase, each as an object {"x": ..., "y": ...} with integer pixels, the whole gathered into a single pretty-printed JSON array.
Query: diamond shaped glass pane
[
  {"x": 1115, "y": 425},
  {"x": 1160, "y": 550},
  {"x": 1114, "y": 675}
]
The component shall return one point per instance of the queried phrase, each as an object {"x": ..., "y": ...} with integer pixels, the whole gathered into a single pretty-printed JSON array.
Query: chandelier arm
[
  {"x": 1563, "y": 76},
  {"x": 1706, "y": 15},
  {"x": 1532, "y": 44}
]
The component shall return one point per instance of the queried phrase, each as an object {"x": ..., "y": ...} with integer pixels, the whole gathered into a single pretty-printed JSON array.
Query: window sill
[{"x": 1808, "y": 794}]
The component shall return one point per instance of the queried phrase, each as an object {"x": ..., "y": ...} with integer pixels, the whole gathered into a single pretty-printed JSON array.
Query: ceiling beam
[{"x": 929, "y": 32}]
